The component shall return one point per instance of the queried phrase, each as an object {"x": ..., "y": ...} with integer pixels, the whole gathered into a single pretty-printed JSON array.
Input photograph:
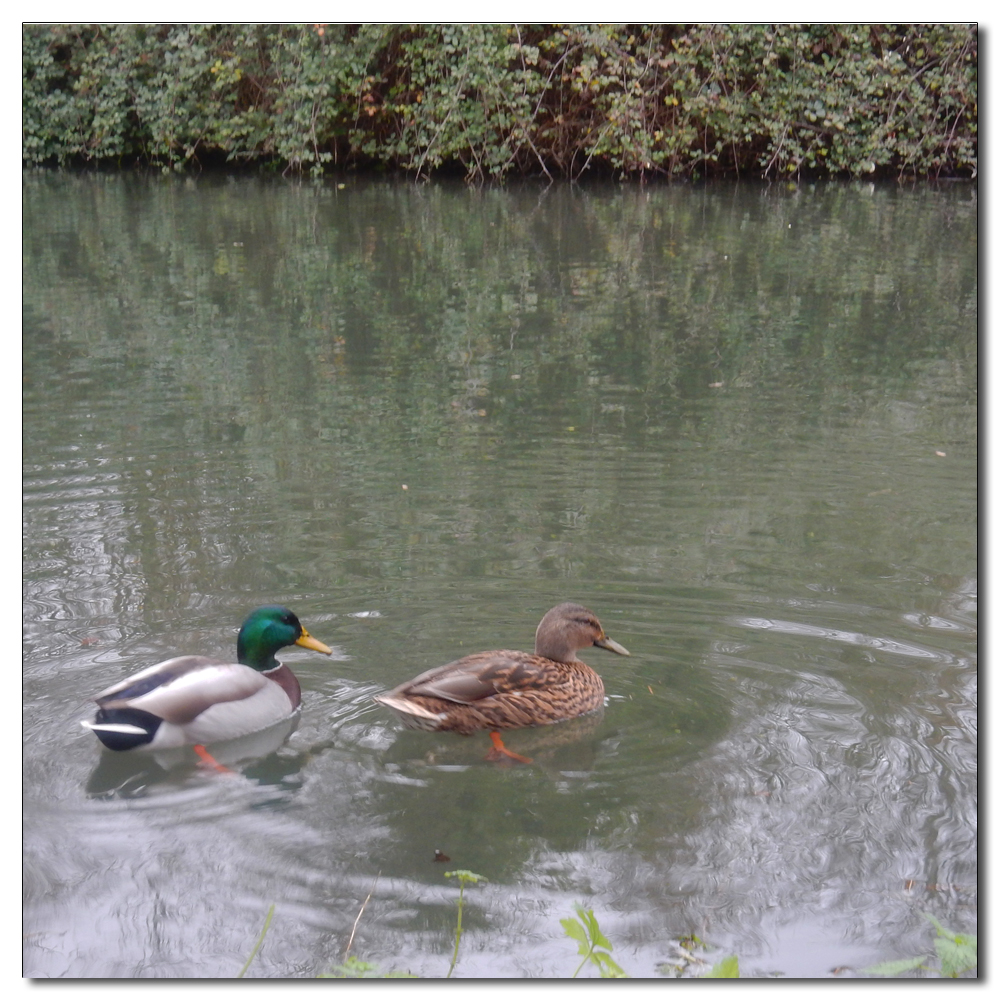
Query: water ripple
[{"x": 894, "y": 646}]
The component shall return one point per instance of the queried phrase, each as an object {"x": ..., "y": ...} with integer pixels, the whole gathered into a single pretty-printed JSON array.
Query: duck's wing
[
  {"x": 180, "y": 689},
  {"x": 479, "y": 676}
]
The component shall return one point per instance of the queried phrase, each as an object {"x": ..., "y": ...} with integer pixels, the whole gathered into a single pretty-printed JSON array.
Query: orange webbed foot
[
  {"x": 499, "y": 751},
  {"x": 209, "y": 759}
]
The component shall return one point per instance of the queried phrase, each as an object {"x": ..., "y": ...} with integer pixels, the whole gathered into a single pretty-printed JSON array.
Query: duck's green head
[{"x": 269, "y": 629}]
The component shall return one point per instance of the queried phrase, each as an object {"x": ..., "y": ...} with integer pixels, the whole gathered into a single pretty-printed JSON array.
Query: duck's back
[
  {"x": 180, "y": 689},
  {"x": 498, "y": 689}
]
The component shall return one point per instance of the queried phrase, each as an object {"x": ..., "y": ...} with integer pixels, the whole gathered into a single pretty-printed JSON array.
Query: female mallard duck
[
  {"x": 195, "y": 700},
  {"x": 508, "y": 689}
]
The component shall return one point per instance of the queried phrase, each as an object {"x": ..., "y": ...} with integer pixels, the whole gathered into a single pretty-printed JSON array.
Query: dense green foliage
[{"x": 501, "y": 100}]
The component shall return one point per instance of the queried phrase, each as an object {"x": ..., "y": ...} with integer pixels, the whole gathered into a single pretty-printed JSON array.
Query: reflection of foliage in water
[{"x": 368, "y": 337}]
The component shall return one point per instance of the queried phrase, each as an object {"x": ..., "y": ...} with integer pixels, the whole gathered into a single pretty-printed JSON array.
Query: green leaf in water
[
  {"x": 957, "y": 956},
  {"x": 585, "y": 930},
  {"x": 896, "y": 968},
  {"x": 727, "y": 968},
  {"x": 355, "y": 968},
  {"x": 957, "y": 953}
]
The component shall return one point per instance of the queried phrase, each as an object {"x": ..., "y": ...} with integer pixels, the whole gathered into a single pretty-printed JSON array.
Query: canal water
[{"x": 737, "y": 422}]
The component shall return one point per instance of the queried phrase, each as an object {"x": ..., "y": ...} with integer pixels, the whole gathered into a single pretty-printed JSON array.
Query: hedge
[{"x": 496, "y": 101}]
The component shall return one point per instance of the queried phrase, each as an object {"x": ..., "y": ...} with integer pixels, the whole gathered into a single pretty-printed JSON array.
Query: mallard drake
[
  {"x": 196, "y": 700},
  {"x": 509, "y": 689}
]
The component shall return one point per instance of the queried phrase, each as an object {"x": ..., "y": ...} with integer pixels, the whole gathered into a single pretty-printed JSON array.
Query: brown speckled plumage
[{"x": 508, "y": 689}]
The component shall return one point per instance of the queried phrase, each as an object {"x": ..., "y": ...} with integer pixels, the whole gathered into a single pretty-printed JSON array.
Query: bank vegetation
[{"x": 499, "y": 101}]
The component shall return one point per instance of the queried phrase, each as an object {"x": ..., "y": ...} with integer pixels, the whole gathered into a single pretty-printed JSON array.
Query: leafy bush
[{"x": 495, "y": 100}]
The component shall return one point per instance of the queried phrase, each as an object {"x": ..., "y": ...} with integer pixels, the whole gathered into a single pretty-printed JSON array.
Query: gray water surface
[{"x": 737, "y": 422}]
